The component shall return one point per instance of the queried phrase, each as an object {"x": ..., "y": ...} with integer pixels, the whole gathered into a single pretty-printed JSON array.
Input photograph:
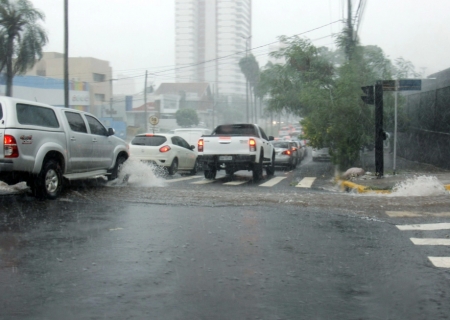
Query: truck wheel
[
  {"x": 210, "y": 173},
  {"x": 118, "y": 166},
  {"x": 271, "y": 168},
  {"x": 258, "y": 169},
  {"x": 48, "y": 183},
  {"x": 173, "y": 167}
]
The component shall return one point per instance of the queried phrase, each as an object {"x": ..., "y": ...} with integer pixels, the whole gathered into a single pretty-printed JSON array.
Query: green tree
[
  {"x": 186, "y": 117},
  {"x": 21, "y": 38},
  {"x": 289, "y": 85}
]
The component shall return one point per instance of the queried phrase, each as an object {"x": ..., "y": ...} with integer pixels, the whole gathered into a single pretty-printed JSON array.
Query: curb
[{"x": 345, "y": 185}]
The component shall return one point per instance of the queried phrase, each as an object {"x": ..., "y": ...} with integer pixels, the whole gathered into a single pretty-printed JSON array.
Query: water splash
[
  {"x": 19, "y": 187},
  {"x": 419, "y": 186},
  {"x": 142, "y": 174}
]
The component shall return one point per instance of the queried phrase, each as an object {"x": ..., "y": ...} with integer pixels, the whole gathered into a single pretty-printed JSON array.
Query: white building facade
[{"x": 211, "y": 37}]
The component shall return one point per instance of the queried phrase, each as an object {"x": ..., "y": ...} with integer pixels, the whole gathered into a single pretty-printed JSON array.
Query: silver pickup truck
[
  {"x": 43, "y": 145},
  {"x": 234, "y": 147}
]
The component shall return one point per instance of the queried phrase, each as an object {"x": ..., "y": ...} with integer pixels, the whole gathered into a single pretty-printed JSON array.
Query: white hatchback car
[{"x": 165, "y": 150}]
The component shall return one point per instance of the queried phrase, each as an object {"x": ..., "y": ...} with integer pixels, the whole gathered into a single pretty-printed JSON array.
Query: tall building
[{"x": 211, "y": 37}]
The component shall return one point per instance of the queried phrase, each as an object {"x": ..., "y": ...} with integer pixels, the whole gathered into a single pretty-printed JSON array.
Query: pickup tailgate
[{"x": 226, "y": 145}]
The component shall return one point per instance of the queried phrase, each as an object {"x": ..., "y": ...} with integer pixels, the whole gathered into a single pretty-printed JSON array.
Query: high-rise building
[{"x": 211, "y": 37}]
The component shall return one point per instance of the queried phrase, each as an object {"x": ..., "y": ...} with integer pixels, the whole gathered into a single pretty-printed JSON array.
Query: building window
[
  {"x": 100, "y": 97},
  {"x": 98, "y": 77}
]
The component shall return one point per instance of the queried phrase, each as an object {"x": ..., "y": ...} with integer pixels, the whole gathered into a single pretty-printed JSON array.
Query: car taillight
[
  {"x": 164, "y": 149},
  {"x": 287, "y": 152},
  {"x": 10, "y": 147},
  {"x": 294, "y": 149},
  {"x": 252, "y": 144},
  {"x": 200, "y": 145}
]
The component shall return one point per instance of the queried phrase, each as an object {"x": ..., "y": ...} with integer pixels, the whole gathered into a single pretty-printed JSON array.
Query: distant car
[
  {"x": 301, "y": 149},
  {"x": 299, "y": 152},
  {"x": 304, "y": 146},
  {"x": 191, "y": 135},
  {"x": 320, "y": 154},
  {"x": 165, "y": 150},
  {"x": 284, "y": 154}
]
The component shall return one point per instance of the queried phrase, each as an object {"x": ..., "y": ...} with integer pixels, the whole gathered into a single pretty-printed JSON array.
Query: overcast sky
[{"x": 139, "y": 35}]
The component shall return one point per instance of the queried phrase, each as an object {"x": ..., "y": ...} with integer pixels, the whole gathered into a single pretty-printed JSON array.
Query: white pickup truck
[
  {"x": 234, "y": 147},
  {"x": 45, "y": 145}
]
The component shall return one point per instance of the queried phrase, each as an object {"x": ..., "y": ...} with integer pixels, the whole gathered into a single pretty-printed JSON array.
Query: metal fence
[{"x": 427, "y": 138}]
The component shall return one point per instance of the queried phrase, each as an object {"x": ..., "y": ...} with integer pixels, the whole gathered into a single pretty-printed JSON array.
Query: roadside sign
[
  {"x": 389, "y": 85},
  {"x": 409, "y": 84},
  {"x": 153, "y": 120}
]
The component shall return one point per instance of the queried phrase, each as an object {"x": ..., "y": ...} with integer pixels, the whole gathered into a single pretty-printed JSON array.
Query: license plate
[{"x": 225, "y": 158}]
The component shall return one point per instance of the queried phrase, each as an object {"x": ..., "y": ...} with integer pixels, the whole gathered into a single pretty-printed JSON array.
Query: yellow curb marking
[{"x": 360, "y": 188}]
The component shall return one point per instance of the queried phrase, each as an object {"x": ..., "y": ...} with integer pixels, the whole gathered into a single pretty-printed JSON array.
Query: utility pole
[
  {"x": 379, "y": 132},
  {"x": 110, "y": 98},
  {"x": 350, "y": 42},
  {"x": 145, "y": 102},
  {"x": 246, "y": 84},
  {"x": 66, "y": 53}
]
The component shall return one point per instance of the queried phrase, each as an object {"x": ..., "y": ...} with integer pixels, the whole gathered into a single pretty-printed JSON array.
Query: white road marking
[
  {"x": 404, "y": 214},
  {"x": 206, "y": 181},
  {"x": 235, "y": 183},
  {"x": 440, "y": 262},
  {"x": 431, "y": 226},
  {"x": 272, "y": 182},
  {"x": 183, "y": 179},
  {"x": 430, "y": 242},
  {"x": 306, "y": 182}
]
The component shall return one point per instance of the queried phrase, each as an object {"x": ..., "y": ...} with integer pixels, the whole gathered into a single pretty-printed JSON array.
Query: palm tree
[
  {"x": 21, "y": 38},
  {"x": 250, "y": 68}
]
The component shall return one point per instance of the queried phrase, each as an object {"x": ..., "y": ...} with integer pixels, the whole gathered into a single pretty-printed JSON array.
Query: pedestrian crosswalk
[
  {"x": 305, "y": 182},
  {"x": 439, "y": 262}
]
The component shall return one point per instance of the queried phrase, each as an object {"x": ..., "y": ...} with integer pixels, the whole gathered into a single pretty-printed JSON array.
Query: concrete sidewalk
[{"x": 405, "y": 170}]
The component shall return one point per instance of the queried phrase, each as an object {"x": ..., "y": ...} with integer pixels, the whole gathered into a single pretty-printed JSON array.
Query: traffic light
[{"x": 369, "y": 98}]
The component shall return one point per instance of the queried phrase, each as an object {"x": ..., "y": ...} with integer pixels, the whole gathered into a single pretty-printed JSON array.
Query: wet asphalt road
[
  {"x": 172, "y": 249},
  {"x": 134, "y": 260}
]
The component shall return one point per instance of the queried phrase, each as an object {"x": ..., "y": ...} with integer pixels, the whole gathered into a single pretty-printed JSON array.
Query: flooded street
[
  {"x": 140, "y": 252},
  {"x": 182, "y": 247}
]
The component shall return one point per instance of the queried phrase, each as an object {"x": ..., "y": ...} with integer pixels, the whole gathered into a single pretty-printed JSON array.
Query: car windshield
[
  {"x": 225, "y": 159},
  {"x": 148, "y": 140}
]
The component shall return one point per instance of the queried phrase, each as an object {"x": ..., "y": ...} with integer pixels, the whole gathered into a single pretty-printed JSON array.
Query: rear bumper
[
  {"x": 236, "y": 162},
  {"x": 283, "y": 160},
  {"x": 8, "y": 175},
  {"x": 6, "y": 165}
]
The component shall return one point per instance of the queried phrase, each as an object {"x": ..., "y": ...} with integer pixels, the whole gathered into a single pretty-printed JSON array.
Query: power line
[{"x": 245, "y": 51}]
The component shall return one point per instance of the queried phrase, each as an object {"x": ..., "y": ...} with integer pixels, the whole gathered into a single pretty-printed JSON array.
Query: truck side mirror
[
  {"x": 111, "y": 132},
  {"x": 271, "y": 138}
]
